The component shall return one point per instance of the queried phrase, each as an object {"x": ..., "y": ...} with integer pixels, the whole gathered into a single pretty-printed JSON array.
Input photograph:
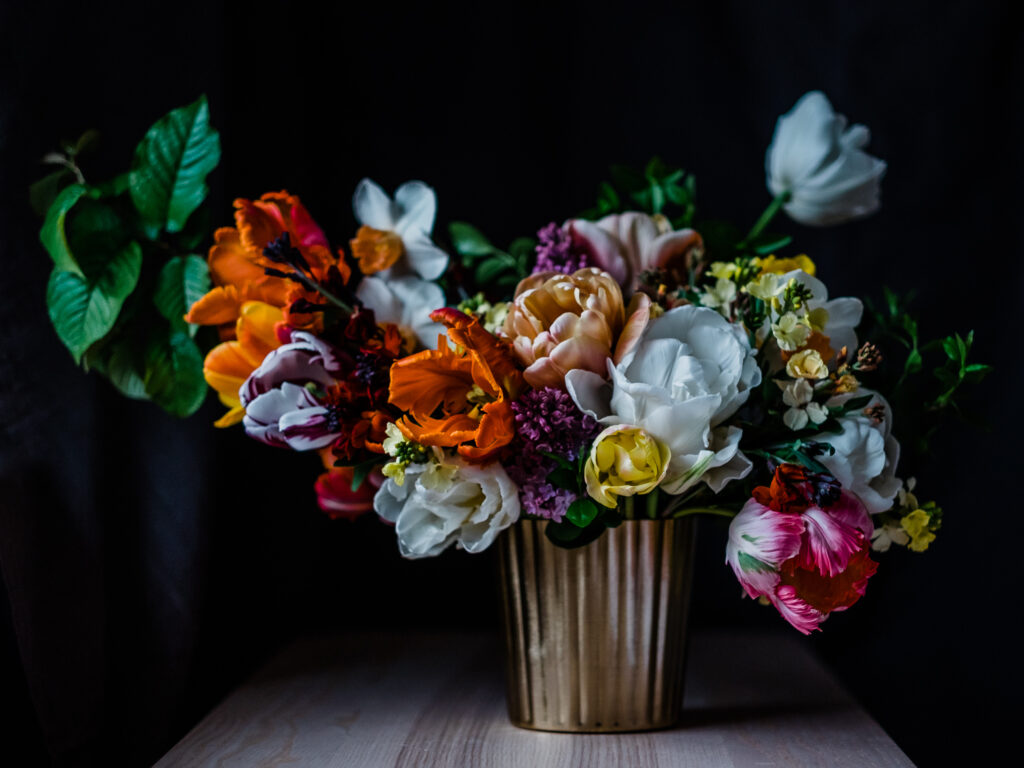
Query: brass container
[{"x": 596, "y": 636}]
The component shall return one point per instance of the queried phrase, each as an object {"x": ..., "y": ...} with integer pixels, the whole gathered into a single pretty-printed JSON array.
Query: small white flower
[
  {"x": 407, "y": 302},
  {"x": 790, "y": 332},
  {"x": 799, "y": 396},
  {"x": 720, "y": 295},
  {"x": 410, "y": 216},
  {"x": 889, "y": 534},
  {"x": 821, "y": 163}
]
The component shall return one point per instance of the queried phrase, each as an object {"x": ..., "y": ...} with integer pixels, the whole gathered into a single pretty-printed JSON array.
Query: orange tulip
[
  {"x": 459, "y": 398},
  {"x": 229, "y": 364}
]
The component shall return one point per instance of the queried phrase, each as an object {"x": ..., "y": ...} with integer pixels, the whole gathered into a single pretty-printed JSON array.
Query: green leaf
[
  {"x": 182, "y": 282},
  {"x": 914, "y": 361},
  {"x": 174, "y": 372},
  {"x": 468, "y": 240},
  {"x": 84, "y": 308},
  {"x": 122, "y": 368},
  {"x": 53, "y": 235},
  {"x": 564, "y": 477},
  {"x": 522, "y": 248},
  {"x": 494, "y": 266},
  {"x": 581, "y": 512},
  {"x": 168, "y": 173},
  {"x": 43, "y": 192},
  {"x": 116, "y": 186},
  {"x": 362, "y": 470}
]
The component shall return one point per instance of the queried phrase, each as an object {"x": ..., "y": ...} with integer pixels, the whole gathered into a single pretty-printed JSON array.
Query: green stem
[
  {"x": 705, "y": 511},
  {"x": 766, "y": 218},
  {"x": 653, "y": 499}
]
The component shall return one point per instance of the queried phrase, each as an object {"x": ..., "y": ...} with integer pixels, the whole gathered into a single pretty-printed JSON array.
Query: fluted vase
[{"x": 596, "y": 636}]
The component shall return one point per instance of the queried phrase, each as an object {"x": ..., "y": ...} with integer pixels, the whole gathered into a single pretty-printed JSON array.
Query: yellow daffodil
[
  {"x": 624, "y": 461},
  {"x": 782, "y": 266}
]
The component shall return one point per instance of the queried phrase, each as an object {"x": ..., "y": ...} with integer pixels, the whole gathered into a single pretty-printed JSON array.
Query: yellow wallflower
[
  {"x": 916, "y": 524},
  {"x": 782, "y": 266},
  {"x": 624, "y": 461},
  {"x": 807, "y": 364}
]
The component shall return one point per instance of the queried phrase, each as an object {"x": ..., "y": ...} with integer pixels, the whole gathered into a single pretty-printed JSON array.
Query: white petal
[
  {"x": 372, "y": 206},
  {"x": 428, "y": 261},
  {"x": 417, "y": 207}
]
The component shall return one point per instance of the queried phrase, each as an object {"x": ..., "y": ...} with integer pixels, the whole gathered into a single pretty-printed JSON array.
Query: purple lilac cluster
[
  {"x": 555, "y": 252},
  {"x": 547, "y": 421}
]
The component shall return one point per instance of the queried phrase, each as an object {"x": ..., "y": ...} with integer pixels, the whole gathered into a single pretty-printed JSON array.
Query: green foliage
[
  {"x": 659, "y": 189},
  {"x": 569, "y": 535},
  {"x": 168, "y": 174},
  {"x": 489, "y": 265},
  {"x": 182, "y": 281},
  {"x": 123, "y": 273},
  {"x": 83, "y": 308}
]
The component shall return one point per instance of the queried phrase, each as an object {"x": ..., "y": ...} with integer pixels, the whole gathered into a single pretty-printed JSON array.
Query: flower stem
[
  {"x": 766, "y": 218},
  {"x": 652, "y": 504}
]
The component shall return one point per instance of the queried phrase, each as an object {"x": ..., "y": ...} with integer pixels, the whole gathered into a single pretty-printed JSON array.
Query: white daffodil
[
  {"x": 790, "y": 333},
  {"x": 445, "y": 502},
  {"x": 866, "y": 454},
  {"x": 410, "y": 217},
  {"x": 720, "y": 295},
  {"x": 820, "y": 163},
  {"x": 690, "y": 372},
  {"x": 407, "y": 302},
  {"x": 799, "y": 396}
]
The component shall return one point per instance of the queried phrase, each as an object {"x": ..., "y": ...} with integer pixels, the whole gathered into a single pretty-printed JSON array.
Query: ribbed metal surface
[{"x": 596, "y": 636}]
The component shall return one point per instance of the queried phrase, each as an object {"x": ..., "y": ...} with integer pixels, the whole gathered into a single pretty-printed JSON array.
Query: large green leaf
[
  {"x": 174, "y": 372},
  {"x": 83, "y": 307},
  {"x": 168, "y": 174},
  {"x": 53, "y": 235},
  {"x": 182, "y": 282}
]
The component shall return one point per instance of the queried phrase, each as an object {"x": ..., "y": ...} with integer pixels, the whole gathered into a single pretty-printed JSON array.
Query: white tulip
[{"x": 820, "y": 162}]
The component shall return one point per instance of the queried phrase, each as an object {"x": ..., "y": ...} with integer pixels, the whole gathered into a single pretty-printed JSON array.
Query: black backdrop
[{"x": 149, "y": 564}]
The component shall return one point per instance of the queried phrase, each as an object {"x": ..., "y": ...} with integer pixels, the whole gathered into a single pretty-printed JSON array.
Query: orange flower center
[{"x": 375, "y": 249}]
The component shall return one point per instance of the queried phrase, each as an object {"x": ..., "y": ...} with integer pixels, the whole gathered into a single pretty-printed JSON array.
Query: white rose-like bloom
[
  {"x": 866, "y": 454},
  {"x": 454, "y": 503},
  {"x": 691, "y": 371},
  {"x": 821, "y": 163}
]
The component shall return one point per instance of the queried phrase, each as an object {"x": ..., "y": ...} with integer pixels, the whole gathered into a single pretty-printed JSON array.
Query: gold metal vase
[{"x": 596, "y": 636}]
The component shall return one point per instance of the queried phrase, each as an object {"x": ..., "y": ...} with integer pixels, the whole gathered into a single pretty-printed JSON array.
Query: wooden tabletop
[{"x": 369, "y": 701}]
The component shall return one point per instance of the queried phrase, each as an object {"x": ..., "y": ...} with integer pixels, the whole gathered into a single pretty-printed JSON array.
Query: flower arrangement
[{"x": 634, "y": 362}]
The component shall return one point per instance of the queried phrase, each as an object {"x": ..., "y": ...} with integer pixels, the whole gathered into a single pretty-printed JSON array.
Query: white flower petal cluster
[
  {"x": 821, "y": 163},
  {"x": 691, "y": 371},
  {"x": 449, "y": 502},
  {"x": 866, "y": 454}
]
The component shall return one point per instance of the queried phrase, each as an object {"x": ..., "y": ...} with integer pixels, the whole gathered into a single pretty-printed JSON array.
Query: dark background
[{"x": 149, "y": 564}]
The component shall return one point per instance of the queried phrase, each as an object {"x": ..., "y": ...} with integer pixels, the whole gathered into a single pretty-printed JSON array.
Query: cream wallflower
[
  {"x": 724, "y": 269},
  {"x": 720, "y": 295},
  {"x": 799, "y": 396},
  {"x": 807, "y": 364},
  {"x": 790, "y": 333},
  {"x": 766, "y": 287},
  {"x": 624, "y": 461}
]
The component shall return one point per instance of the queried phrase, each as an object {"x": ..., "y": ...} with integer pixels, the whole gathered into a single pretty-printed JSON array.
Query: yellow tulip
[{"x": 624, "y": 461}]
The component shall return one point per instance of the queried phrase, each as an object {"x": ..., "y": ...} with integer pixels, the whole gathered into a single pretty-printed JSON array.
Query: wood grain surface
[{"x": 370, "y": 701}]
